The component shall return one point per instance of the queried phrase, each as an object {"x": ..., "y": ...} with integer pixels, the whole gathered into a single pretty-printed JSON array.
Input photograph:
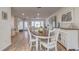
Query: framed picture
[
  {"x": 67, "y": 17},
  {"x": 4, "y": 15}
]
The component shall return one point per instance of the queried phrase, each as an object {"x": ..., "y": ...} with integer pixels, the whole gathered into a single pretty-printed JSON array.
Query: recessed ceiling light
[{"x": 23, "y": 14}]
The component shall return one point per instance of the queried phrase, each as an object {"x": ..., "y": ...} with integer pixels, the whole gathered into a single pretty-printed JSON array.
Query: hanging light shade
[{"x": 38, "y": 13}]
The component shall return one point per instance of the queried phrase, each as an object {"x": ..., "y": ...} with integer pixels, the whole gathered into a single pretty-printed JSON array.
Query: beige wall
[
  {"x": 75, "y": 16},
  {"x": 12, "y": 22},
  {"x": 5, "y": 28}
]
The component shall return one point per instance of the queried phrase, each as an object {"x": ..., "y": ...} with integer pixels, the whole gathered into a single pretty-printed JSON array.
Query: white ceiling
[{"x": 31, "y": 12}]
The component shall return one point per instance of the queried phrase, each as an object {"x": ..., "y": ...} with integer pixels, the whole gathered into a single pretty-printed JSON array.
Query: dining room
[
  {"x": 36, "y": 37},
  {"x": 36, "y": 34},
  {"x": 44, "y": 29},
  {"x": 42, "y": 38},
  {"x": 31, "y": 23},
  {"x": 40, "y": 29}
]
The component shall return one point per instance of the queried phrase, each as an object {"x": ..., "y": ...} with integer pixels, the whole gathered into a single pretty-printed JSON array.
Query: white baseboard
[{"x": 4, "y": 48}]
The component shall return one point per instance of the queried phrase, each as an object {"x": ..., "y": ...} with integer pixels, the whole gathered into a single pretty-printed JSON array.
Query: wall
[
  {"x": 13, "y": 32},
  {"x": 16, "y": 21},
  {"x": 75, "y": 17},
  {"x": 12, "y": 22},
  {"x": 5, "y": 28},
  {"x": 14, "y": 25},
  {"x": 76, "y": 14}
]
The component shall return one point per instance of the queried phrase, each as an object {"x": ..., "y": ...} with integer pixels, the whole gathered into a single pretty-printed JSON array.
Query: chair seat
[{"x": 50, "y": 45}]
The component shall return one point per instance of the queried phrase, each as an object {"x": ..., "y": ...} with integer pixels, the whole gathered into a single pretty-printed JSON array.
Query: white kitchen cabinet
[{"x": 69, "y": 38}]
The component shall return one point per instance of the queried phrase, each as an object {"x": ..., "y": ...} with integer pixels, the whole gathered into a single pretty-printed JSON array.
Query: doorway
[{"x": 22, "y": 26}]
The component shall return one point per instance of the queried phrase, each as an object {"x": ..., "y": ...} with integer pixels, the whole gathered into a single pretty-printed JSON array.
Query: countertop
[{"x": 70, "y": 28}]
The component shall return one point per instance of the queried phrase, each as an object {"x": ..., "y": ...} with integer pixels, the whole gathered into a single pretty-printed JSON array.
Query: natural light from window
[{"x": 37, "y": 24}]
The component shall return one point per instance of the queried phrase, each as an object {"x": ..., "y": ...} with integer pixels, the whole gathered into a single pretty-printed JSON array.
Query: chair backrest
[
  {"x": 51, "y": 32},
  {"x": 29, "y": 33},
  {"x": 54, "y": 34}
]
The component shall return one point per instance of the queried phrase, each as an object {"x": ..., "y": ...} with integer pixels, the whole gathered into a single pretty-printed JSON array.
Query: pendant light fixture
[{"x": 38, "y": 13}]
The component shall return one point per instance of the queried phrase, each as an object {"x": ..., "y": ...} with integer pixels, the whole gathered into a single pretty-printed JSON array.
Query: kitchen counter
[
  {"x": 70, "y": 28},
  {"x": 69, "y": 38}
]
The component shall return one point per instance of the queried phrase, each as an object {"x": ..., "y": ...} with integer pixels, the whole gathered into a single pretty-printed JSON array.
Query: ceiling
[{"x": 31, "y": 12}]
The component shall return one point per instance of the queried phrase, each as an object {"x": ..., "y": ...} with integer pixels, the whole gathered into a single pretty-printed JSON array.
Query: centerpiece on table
[{"x": 41, "y": 30}]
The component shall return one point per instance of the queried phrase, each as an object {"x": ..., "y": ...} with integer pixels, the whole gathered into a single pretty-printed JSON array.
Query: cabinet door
[
  {"x": 72, "y": 39},
  {"x": 63, "y": 38}
]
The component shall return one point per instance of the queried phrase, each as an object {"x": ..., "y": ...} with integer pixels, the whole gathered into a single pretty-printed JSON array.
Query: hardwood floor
[{"x": 20, "y": 43}]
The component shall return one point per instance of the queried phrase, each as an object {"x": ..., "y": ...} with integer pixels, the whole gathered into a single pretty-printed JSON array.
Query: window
[
  {"x": 37, "y": 24},
  {"x": 25, "y": 25},
  {"x": 33, "y": 23},
  {"x": 20, "y": 25}
]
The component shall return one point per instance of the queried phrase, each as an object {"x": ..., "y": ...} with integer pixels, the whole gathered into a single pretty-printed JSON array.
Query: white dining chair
[
  {"x": 51, "y": 40},
  {"x": 32, "y": 39}
]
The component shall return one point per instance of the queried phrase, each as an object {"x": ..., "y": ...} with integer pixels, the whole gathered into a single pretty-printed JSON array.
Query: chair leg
[
  {"x": 30, "y": 45},
  {"x": 40, "y": 46},
  {"x": 55, "y": 48},
  {"x": 47, "y": 49}
]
